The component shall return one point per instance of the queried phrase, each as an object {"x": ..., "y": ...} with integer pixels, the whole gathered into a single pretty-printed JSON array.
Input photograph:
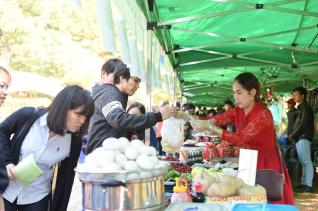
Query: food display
[
  {"x": 213, "y": 177},
  {"x": 191, "y": 155},
  {"x": 224, "y": 149},
  {"x": 218, "y": 184},
  {"x": 131, "y": 160}
]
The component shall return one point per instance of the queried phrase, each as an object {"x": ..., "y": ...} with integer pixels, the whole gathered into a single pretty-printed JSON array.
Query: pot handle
[{"x": 112, "y": 183}]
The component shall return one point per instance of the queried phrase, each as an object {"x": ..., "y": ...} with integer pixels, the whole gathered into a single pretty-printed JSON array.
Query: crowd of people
[{"x": 54, "y": 135}]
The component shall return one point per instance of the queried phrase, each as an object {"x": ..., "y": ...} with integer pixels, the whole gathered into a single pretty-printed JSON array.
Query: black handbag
[{"x": 271, "y": 180}]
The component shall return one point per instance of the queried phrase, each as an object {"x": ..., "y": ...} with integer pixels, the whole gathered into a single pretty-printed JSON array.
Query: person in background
[
  {"x": 198, "y": 112},
  {"x": 136, "y": 108},
  {"x": 189, "y": 108},
  {"x": 205, "y": 111},
  {"x": 254, "y": 128},
  {"x": 5, "y": 81},
  {"x": 177, "y": 105},
  {"x": 291, "y": 115},
  {"x": 158, "y": 131},
  {"x": 107, "y": 71},
  {"x": 106, "y": 77},
  {"x": 53, "y": 136},
  {"x": 302, "y": 134},
  {"x": 211, "y": 112},
  {"x": 153, "y": 132},
  {"x": 228, "y": 104},
  {"x": 110, "y": 118}
]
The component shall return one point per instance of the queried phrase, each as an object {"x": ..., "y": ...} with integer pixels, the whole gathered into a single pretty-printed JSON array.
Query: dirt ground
[{"x": 308, "y": 201}]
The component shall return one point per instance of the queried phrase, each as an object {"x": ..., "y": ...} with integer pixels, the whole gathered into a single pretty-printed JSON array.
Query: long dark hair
[
  {"x": 249, "y": 82},
  {"x": 71, "y": 97}
]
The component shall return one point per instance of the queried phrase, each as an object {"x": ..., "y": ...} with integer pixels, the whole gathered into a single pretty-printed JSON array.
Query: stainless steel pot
[{"x": 139, "y": 194}]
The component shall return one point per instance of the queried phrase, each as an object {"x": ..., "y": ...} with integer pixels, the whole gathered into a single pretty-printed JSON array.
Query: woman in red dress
[{"x": 254, "y": 128}]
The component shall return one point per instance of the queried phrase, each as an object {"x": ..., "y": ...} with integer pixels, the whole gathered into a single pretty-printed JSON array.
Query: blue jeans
[{"x": 304, "y": 155}]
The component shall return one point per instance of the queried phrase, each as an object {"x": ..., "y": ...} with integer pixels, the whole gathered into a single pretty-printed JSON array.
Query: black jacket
[
  {"x": 291, "y": 117},
  {"x": 110, "y": 118},
  {"x": 304, "y": 123},
  {"x": 4, "y": 181},
  {"x": 18, "y": 124}
]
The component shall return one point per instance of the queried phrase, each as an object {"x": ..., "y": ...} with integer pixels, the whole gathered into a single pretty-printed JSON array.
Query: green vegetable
[{"x": 171, "y": 175}]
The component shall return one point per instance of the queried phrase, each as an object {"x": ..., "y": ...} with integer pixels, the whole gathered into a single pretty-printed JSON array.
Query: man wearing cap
[
  {"x": 302, "y": 134},
  {"x": 291, "y": 115}
]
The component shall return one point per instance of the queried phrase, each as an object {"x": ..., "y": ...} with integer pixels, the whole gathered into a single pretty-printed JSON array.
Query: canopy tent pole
[
  {"x": 204, "y": 61},
  {"x": 216, "y": 14},
  {"x": 246, "y": 39},
  {"x": 210, "y": 15},
  {"x": 148, "y": 47},
  {"x": 268, "y": 6},
  {"x": 184, "y": 49}
]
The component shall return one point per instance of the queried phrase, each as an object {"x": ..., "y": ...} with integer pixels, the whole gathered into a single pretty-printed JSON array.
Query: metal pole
[{"x": 148, "y": 78}]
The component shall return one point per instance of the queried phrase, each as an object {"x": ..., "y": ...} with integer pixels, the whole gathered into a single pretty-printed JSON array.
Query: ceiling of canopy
[{"x": 209, "y": 42}]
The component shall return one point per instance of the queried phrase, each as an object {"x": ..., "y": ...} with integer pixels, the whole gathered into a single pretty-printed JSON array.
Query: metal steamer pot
[
  {"x": 144, "y": 194},
  {"x": 116, "y": 191}
]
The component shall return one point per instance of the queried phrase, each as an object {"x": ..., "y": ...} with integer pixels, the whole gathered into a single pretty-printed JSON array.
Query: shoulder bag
[{"x": 271, "y": 180}]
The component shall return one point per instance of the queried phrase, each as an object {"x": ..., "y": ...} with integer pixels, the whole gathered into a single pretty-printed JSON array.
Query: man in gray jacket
[{"x": 110, "y": 118}]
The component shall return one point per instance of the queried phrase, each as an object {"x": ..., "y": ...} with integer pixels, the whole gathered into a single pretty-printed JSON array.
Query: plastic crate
[{"x": 264, "y": 207}]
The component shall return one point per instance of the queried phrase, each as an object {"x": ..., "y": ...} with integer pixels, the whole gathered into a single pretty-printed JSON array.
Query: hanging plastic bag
[{"x": 172, "y": 134}]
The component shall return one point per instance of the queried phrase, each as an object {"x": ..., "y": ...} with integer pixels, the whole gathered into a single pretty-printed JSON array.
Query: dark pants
[{"x": 41, "y": 205}]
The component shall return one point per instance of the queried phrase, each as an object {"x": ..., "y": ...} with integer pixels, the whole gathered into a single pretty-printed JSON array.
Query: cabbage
[
  {"x": 247, "y": 190},
  {"x": 221, "y": 189}
]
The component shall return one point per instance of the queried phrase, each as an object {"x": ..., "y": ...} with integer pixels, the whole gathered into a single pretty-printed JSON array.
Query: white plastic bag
[{"x": 172, "y": 134}]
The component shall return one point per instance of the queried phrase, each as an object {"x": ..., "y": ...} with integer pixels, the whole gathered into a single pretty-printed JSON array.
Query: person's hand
[
  {"x": 167, "y": 112},
  {"x": 183, "y": 115},
  {"x": 206, "y": 126},
  {"x": 201, "y": 125},
  {"x": 11, "y": 171},
  {"x": 291, "y": 139},
  {"x": 1, "y": 203}
]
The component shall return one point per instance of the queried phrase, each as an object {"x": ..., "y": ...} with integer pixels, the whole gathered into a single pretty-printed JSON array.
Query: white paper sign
[{"x": 247, "y": 166}]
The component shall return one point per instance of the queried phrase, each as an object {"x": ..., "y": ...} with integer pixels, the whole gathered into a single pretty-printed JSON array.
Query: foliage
[{"x": 51, "y": 37}]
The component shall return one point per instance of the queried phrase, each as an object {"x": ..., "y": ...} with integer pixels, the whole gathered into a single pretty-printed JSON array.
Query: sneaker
[
  {"x": 305, "y": 189},
  {"x": 297, "y": 188}
]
